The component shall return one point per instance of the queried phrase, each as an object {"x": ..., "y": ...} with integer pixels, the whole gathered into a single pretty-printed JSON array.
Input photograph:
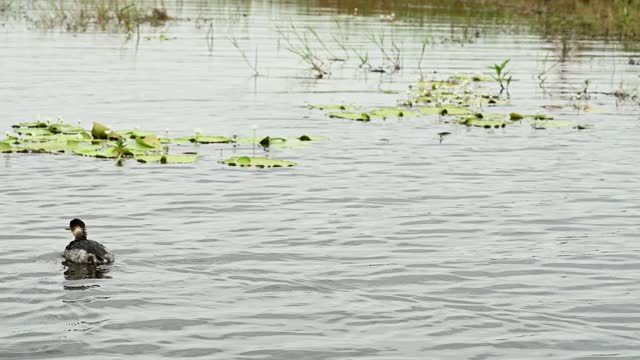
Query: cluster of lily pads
[
  {"x": 454, "y": 100},
  {"x": 145, "y": 147}
]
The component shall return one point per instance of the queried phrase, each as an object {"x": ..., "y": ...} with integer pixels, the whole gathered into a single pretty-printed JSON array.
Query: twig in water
[
  {"x": 424, "y": 46},
  {"x": 379, "y": 42},
  {"x": 341, "y": 41},
  {"x": 364, "y": 58},
  {"x": 304, "y": 51},
  {"x": 253, "y": 66},
  {"x": 210, "y": 39},
  {"x": 331, "y": 56},
  {"x": 542, "y": 76}
]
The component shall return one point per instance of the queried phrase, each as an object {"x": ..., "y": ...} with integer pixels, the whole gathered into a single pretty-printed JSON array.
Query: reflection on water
[{"x": 85, "y": 271}]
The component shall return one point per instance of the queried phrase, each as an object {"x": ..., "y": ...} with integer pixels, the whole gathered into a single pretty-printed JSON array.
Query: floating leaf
[
  {"x": 203, "y": 139},
  {"x": 543, "y": 124},
  {"x": 446, "y": 110},
  {"x": 95, "y": 151},
  {"x": 312, "y": 138},
  {"x": 470, "y": 77},
  {"x": 260, "y": 162},
  {"x": 539, "y": 117},
  {"x": 65, "y": 129},
  {"x": 100, "y": 131},
  {"x": 392, "y": 112},
  {"x": 133, "y": 134},
  {"x": 434, "y": 85},
  {"x": 36, "y": 124},
  {"x": 149, "y": 141},
  {"x": 334, "y": 107},
  {"x": 484, "y": 123},
  {"x": 5, "y": 147},
  {"x": 167, "y": 159},
  {"x": 33, "y": 131},
  {"x": 53, "y": 146},
  {"x": 515, "y": 117},
  {"x": 350, "y": 116}
]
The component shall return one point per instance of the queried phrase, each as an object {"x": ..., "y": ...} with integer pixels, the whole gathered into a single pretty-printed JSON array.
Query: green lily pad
[
  {"x": 260, "y": 162},
  {"x": 56, "y": 138},
  {"x": 53, "y": 146},
  {"x": 334, "y": 107},
  {"x": 392, "y": 112},
  {"x": 167, "y": 159},
  {"x": 543, "y": 124},
  {"x": 205, "y": 139},
  {"x": 150, "y": 142},
  {"x": 539, "y": 117},
  {"x": 134, "y": 134},
  {"x": 100, "y": 131},
  {"x": 446, "y": 110},
  {"x": 35, "y": 124},
  {"x": 312, "y": 138},
  {"x": 65, "y": 129},
  {"x": 96, "y": 151},
  {"x": 5, "y": 147},
  {"x": 437, "y": 84},
  {"x": 202, "y": 139},
  {"x": 33, "y": 131},
  {"x": 515, "y": 117},
  {"x": 471, "y": 77},
  {"x": 483, "y": 123},
  {"x": 350, "y": 116}
]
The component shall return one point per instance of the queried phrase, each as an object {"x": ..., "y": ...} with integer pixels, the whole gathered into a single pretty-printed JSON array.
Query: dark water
[{"x": 383, "y": 243}]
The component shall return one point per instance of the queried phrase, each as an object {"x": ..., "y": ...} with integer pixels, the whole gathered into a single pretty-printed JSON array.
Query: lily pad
[
  {"x": 202, "y": 139},
  {"x": 392, "y": 112},
  {"x": 149, "y": 141},
  {"x": 53, "y": 146},
  {"x": 133, "y": 134},
  {"x": 334, "y": 107},
  {"x": 167, "y": 159},
  {"x": 96, "y": 151},
  {"x": 446, "y": 111},
  {"x": 312, "y": 138},
  {"x": 350, "y": 116},
  {"x": 483, "y": 123},
  {"x": 471, "y": 77},
  {"x": 5, "y": 147},
  {"x": 539, "y": 117},
  {"x": 543, "y": 124},
  {"x": 260, "y": 162},
  {"x": 36, "y": 124},
  {"x": 65, "y": 129},
  {"x": 100, "y": 131},
  {"x": 515, "y": 117},
  {"x": 33, "y": 131},
  {"x": 437, "y": 84}
]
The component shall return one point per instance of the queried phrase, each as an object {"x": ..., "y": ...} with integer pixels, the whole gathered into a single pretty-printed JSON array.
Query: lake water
[{"x": 383, "y": 243}]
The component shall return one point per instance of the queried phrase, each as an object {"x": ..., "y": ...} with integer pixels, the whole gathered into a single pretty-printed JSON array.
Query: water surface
[{"x": 382, "y": 243}]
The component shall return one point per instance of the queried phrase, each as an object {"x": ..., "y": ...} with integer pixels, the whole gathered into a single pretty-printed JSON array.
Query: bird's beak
[{"x": 67, "y": 228}]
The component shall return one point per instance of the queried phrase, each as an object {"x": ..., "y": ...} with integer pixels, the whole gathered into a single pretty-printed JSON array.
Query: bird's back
[{"x": 87, "y": 251}]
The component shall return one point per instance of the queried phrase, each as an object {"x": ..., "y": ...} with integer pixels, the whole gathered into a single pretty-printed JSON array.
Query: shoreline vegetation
[
  {"x": 88, "y": 15},
  {"x": 611, "y": 19},
  {"x": 607, "y": 19}
]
